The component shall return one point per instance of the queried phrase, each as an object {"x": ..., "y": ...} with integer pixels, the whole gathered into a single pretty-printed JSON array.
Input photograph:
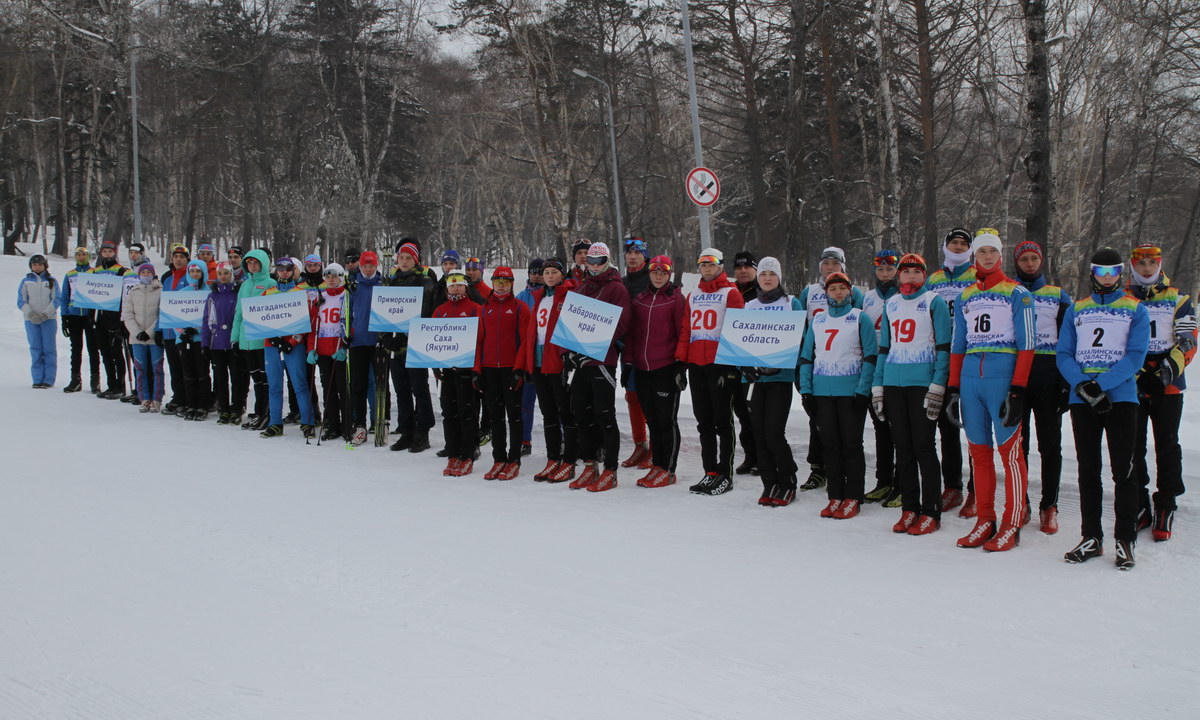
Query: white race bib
[
  {"x": 330, "y": 315},
  {"x": 707, "y": 313},
  {"x": 837, "y": 348},
  {"x": 1162, "y": 326},
  {"x": 1045, "y": 309},
  {"x": 989, "y": 320},
  {"x": 543, "y": 317},
  {"x": 910, "y": 325},
  {"x": 1100, "y": 338},
  {"x": 818, "y": 301},
  {"x": 873, "y": 304}
]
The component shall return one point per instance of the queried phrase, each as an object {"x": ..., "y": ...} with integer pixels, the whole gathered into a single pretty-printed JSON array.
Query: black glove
[
  {"x": 626, "y": 376},
  {"x": 278, "y": 342},
  {"x": 809, "y": 404},
  {"x": 1012, "y": 410},
  {"x": 751, "y": 374},
  {"x": 1166, "y": 373},
  {"x": 518, "y": 379},
  {"x": 142, "y": 337},
  {"x": 1091, "y": 393},
  {"x": 729, "y": 377},
  {"x": 1064, "y": 399},
  {"x": 768, "y": 372},
  {"x": 953, "y": 407},
  {"x": 681, "y": 376},
  {"x": 862, "y": 403},
  {"x": 187, "y": 334},
  {"x": 66, "y": 333},
  {"x": 438, "y": 374},
  {"x": 477, "y": 382},
  {"x": 572, "y": 361}
]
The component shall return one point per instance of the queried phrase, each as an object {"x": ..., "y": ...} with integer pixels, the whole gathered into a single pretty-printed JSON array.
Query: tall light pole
[
  {"x": 702, "y": 213},
  {"x": 137, "y": 178},
  {"x": 612, "y": 149}
]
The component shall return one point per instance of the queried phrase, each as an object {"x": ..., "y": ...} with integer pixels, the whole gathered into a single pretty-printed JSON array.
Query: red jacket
[
  {"x": 503, "y": 333},
  {"x": 463, "y": 307},
  {"x": 333, "y": 302},
  {"x": 700, "y": 330},
  {"x": 608, "y": 287},
  {"x": 551, "y": 353},
  {"x": 653, "y": 335}
]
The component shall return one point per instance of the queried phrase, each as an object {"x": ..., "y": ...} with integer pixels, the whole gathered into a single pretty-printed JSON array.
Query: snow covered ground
[{"x": 153, "y": 568}]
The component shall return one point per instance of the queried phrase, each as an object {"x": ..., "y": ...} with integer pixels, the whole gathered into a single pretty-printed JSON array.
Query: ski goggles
[
  {"x": 1107, "y": 271},
  {"x": 661, "y": 264},
  {"x": 709, "y": 259},
  {"x": 474, "y": 263},
  {"x": 554, "y": 263},
  {"x": 886, "y": 257},
  {"x": 1142, "y": 252},
  {"x": 351, "y": 257},
  {"x": 597, "y": 260},
  {"x": 635, "y": 244}
]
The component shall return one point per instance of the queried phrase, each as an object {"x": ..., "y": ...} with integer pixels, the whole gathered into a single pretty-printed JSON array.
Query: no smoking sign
[{"x": 703, "y": 187}]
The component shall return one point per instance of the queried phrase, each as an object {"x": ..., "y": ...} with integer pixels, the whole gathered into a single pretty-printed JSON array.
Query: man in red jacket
[
  {"x": 500, "y": 370},
  {"x": 594, "y": 387},
  {"x": 713, "y": 385}
]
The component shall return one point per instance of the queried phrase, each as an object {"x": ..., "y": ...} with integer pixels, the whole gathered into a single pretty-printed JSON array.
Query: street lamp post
[
  {"x": 137, "y": 179},
  {"x": 612, "y": 148}
]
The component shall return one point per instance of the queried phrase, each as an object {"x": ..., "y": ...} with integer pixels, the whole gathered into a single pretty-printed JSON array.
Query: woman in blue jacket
[
  {"x": 37, "y": 299},
  {"x": 1101, "y": 346},
  {"x": 837, "y": 365}
]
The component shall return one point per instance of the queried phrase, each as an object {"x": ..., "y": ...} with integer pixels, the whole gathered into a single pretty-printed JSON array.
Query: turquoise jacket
[
  {"x": 252, "y": 286},
  {"x": 815, "y": 382}
]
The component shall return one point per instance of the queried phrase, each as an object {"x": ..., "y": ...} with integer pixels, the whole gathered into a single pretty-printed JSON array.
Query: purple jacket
[
  {"x": 607, "y": 287},
  {"x": 657, "y": 316},
  {"x": 217, "y": 325}
]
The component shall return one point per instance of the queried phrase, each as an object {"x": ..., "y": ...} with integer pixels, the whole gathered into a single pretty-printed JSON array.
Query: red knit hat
[
  {"x": 410, "y": 249},
  {"x": 1028, "y": 246}
]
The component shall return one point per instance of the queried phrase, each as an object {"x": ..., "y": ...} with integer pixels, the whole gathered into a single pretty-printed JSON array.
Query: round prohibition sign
[{"x": 703, "y": 187}]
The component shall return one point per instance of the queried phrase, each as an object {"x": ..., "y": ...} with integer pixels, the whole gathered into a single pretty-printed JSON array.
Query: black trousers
[
  {"x": 558, "y": 422},
  {"x": 593, "y": 403},
  {"x": 111, "y": 336},
  {"x": 885, "y": 453},
  {"x": 1165, "y": 412},
  {"x": 1042, "y": 406},
  {"x": 841, "y": 421},
  {"x": 80, "y": 329},
  {"x": 193, "y": 361},
  {"x": 504, "y": 408},
  {"x": 951, "y": 446},
  {"x": 230, "y": 380},
  {"x": 333, "y": 390},
  {"x": 362, "y": 366},
  {"x": 460, "y": 413},
  {"x": 745, "y": 418},
  {"x": 769, "y": 408},
  {"x": 713, "y": 387},
  {"x": 175, "y": 367},
  {"x": 816, "y": 449},
  {"x": 256, "y": 370},
  {"x": 1114, "y": 427},
  {"x": 912, "y": 433},
  {"x": 414, "y": 406},
  {"x": 659, "y": 397}
]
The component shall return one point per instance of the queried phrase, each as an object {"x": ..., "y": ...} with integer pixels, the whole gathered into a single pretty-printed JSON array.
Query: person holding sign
[
  {"x": 175, "y": 278},
  {"x": 594, "y": 383},
  {"x": 110, "y": 331},
  {"x": 544, "y": 359},
  {"x": 139, "y": 312},
  {"x": 79, "y": 326},
  {"x": 414, "y": 407},
  {"x": 1048, "y": 393},
  {"x": 1101, "y": 347},
  {"x": 287, "y": 354},
  {"x": 814, "y": 300},
  {"x": 837, "y": 364},
  {"x": 459, "y": 400},
  {"x": 658, "y": 314},
  {"x": 713, "y": 386},
  {"x": 256, "y": 282},
  {"x": 956, "y": 274},
  {"x": 990, "y": 359},
  {"x": 770, "y": 404},
  {"x": 909, "y": 391},
  {"x": 1161, "y": 385},
  {"x": 192, "y": 357},
  {"x": 327, "y": 347},
  {"x": 37, "y": 299},
  {"x": 230, "y": 381},
  {"x": 500, "y": 370}
]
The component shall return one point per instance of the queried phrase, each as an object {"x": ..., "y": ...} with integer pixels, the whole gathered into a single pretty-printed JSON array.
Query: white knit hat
[{"x": 770, "y": 264}]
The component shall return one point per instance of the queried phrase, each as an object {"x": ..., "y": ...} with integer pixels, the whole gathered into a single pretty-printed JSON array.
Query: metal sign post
[{"x": 702, "y": 214}]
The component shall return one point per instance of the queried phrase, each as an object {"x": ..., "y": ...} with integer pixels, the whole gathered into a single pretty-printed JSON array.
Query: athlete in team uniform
[
  {"x": 1048, "y": 392},
  {"x": 909, "y": 391},
  {"x": 990, "y": 358},
  {"x": 873, "y": 303},
  {"x": 1161, "y": 385},
  {"x": 956, "y": 274},
  {"x": 1101, "y": 348}
]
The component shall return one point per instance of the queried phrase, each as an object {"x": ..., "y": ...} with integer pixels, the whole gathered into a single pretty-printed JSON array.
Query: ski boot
[
  {"x": 74, "y": 386},
  {"x": 816, "y": 479},
  {"x": 272, "y": 431},
  {"x": 1088, "y": 548}
]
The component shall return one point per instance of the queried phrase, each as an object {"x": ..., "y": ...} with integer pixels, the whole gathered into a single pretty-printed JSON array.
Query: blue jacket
[
  {"x": 894, "y": 371},
  {"x": 360, "y": 310},
  {"x": 64, "y": 296},
  {"x": 815, "y": 382},
  {"x": 216, "y": 330},
  {"x": 526, "y": 295},
  {"x": 1118, "y": 379},
  {"x": 1048, "y": 300}
]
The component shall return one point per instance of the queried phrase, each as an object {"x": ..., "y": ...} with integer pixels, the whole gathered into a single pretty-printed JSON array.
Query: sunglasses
[
  {"x": 886, "y": 260},
  {"x": 597, "y": 260},
  {"x": 1107, "y": 271}
]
